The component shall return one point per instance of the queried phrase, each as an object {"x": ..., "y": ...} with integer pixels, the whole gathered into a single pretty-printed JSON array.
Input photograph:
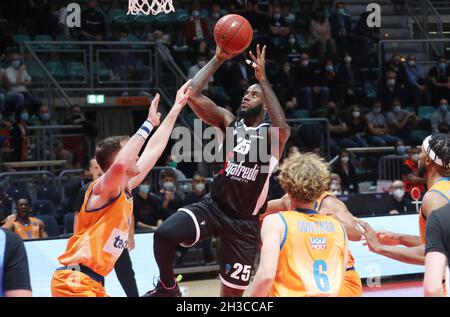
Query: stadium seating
[
  {"x": 51, "y": 226},
  {"x": 44, "y": 207},
  {"x": 48, "y": 192}
]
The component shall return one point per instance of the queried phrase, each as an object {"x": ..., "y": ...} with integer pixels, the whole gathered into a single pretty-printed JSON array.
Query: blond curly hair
[{"x": 304, "y": 176}]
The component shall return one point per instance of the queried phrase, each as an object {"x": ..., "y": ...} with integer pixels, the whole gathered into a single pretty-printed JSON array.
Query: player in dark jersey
[{"x": 239, "y": 190}]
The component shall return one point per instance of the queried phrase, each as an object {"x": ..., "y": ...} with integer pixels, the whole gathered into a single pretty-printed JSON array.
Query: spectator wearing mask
[
  {"x": 410, "y": 171},
  {"x": 214, "y": 15},
  {"x": 292, "y": 51},
  {"x": 46, "y": 137},
  {"x": 285, "y": 83},
  {"x": 77, "y": 118},
  {"x": 417, "y": 91},
  {"x": 346, "y": 170},
  {"x": 146, "y": 208},
  {"x": 194, "y": 69},
  {"x": 400, "y": 148},
  {"x": 15, "y": 275},
  {"x": 196, "y": 28},
  {"x": 399, "y": 202},
  {"x": 171, "y": 200},
  {"x": 341, "y": 28},
  {"x": 311, "y": 91},
  {"x": 335, "y": 188},
  {"x": 401, "y": 122},
  {"x": 278, "y": 29},
  {"x": 356, "y": 129},
  {"x": 440, "y": 83},
  {"x": 124, "y": 61},
  {"x": 23, "y": 224},
  {"x": 440, "y": 119},
  {"x": 320, "y": 35},
  {"x": 93, "y": 25},
  {"x": 337, "y": 126},
  {"x": 378, "y": 130},
  {"x": 17, "y": 79},
  {"x": 20, "y": 136},
  {"x": 349, "y": 81},
  {"x": 9, "y": 100},
  {"x": 329, "y": 78},
  {"x": 389, "y": 89}
]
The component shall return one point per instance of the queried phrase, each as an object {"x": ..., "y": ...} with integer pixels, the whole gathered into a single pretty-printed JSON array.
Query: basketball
[{"x": 233, "y": 33}]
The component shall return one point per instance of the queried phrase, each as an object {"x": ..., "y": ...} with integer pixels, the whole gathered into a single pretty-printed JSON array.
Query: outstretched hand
[
  {"x": 370, "y": 237},
  {"x": 183, "y": 94},
  {"x": 222, "y": 55},
  {"x": 259, "y": 62},
  {"x": 153, "y": 115}
]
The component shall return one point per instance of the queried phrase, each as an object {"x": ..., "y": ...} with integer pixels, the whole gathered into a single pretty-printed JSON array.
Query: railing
[
  {"x": 441, "y": 6},
  {"x": 423, "y": 14},
  {"x": 445, "y": 43},
  {"x": 390, "y": 167}
]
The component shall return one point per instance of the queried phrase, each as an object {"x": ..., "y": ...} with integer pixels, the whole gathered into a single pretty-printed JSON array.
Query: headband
[{"x": 427, "y": 148}]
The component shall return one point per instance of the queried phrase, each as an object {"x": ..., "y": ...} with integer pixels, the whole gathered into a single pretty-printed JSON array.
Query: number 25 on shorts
[
  {"x": 242, "y": 272},
  {"x": 319, "y": 269}
]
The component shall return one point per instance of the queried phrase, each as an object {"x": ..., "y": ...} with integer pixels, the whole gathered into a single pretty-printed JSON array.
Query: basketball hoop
[{"x": 136, "y": 7}]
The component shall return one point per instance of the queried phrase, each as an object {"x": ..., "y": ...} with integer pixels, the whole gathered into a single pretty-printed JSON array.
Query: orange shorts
[
  {"x": 352, "y": 286},
  {"x": 68, "y": 283}
]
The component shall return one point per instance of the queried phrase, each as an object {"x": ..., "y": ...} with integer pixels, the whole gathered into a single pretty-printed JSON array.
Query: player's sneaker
[{"x": 161, "y": 291}]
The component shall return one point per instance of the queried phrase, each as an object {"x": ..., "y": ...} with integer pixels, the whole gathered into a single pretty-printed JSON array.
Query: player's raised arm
[
  {"x": 204, "y": 107},
  {"x": 124, "y": 165},
  {"x": 271, "y": 236},
  {"x": 158, "y": 141},
  {"x": 276, "y": 113}
]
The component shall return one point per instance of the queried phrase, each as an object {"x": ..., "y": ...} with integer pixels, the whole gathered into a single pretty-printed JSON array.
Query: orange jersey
[
  {"x": 317, "y": 206},
  {"x": 30, "y": 231},
  {"x": 101, "y": 235},
  {"x": 442, "y": 186},
  {"x": 313, "y": 255}
]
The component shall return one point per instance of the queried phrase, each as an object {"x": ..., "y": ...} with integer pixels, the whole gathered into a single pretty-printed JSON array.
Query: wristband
[{"x": 145, "y": 130}]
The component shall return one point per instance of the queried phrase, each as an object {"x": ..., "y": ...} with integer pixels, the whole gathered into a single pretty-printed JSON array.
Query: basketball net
[{"x": 136, "y": 7}]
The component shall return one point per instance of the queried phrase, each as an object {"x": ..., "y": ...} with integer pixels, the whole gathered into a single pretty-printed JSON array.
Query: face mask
[
  {"x": 172, "y": 164},
  {"x": 216, "y": 15},
  {"x": 170, "y": 186},
  {"x": 443, "y": 107},
  {"x": 292, "y": 40},
  {"x": 341, "y": 11},
  {"x": 144, "y": 189},
  {"x": 400, "y": 150},
  {"x": 277, "y": 16},
  {"x": 24, "y": 116},
  {"x": 356, "y": 114},
  {"x": 199, "y": 187},
  {"x": 345, "y": 159},
  {"x": 253, "y": 112},
  {"x": 377, "y": 110},
  {"x": 336, "y": 192},
  {"x": 305, "y": 63},
  {"x": 398, "y": 193},
  {"x": 329, "y": 68},
  {"x": 195, "y": 14},
  {"x": 415, "y": 157},
  {"x": 201, "y": 63},
  {"x": 411, "y": 63},
  {"x": 442, "y": 65},
  {"x": 45, "y": 116},
  {"x": 16, "y": 63},
  {"x": 397, "y": 108},
  {"x": 390, "y": 82},
  {"x": 348, "y": 59}
]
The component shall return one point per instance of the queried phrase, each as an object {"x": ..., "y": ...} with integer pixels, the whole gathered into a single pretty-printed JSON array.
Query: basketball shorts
[
  {"x": 239, "y": 240},
  {"x": 351, "y": 286},
  {"x": 68, "y": 283}
]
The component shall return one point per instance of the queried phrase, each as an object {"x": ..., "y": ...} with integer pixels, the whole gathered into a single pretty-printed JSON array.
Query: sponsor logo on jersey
[
  {"x": 318, "y": 244},
  {"x": 241, "y": 171},
  {"x": 117, "y": 241}
]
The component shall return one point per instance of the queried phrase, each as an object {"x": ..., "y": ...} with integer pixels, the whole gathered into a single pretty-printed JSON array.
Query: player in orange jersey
[
  {"x": 303, "y": 252},
  {"x": 328, "y": 204},
  {"x": 435, "y": 161},
  {"x": 102, "y": 226}
]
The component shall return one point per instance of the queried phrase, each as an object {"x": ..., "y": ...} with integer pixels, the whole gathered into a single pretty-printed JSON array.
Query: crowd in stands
[{"x": 318, "y": 62}]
